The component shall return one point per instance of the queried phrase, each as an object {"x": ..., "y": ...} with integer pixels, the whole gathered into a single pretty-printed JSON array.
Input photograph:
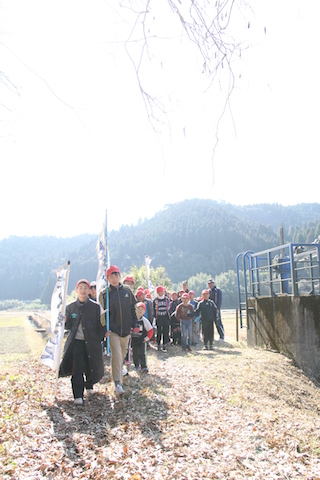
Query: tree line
[{"x": 193, "y": 240}]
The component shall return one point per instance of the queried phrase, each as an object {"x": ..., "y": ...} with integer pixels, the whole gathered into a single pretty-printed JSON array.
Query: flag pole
[
  {"x": 145, "y": 260},
  {"x": 107, "y": 291},
  {"x": 63, "y": 314}
]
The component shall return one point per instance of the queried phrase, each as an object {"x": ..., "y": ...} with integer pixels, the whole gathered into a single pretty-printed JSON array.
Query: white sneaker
[
  {"x": 78, "y": 401},
  {"x": 124, "y": 371},
  {"x": 118, "y": 390}
]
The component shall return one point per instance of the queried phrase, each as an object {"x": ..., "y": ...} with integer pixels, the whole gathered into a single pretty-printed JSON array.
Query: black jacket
[
  {"x": 122, "y": 311},
  {"x": 93, "y": 331},
  {"x": 207, "y": 309}
]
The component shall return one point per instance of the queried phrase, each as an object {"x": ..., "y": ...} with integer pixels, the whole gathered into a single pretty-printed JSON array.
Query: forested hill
[{"x": 187, "y": 238}]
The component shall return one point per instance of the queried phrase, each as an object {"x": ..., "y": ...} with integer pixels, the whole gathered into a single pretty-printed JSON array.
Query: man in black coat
[
  {"x": 82, "y": 351},
  {"x": 122, "y": 319}
]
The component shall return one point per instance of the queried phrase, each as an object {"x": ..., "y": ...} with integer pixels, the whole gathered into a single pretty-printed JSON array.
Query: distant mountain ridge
[{"x": 189, "y": 237}]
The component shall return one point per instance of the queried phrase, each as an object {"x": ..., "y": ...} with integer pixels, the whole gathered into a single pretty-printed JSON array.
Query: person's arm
[
  {"x": 178, "y": 313},
  {"x": 149, "y": 328},
  {"x": 68, "y": 319},
  {"x": 134, "y": 318}
]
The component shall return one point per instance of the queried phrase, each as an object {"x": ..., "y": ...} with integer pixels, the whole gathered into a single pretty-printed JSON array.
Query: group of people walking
[{"x": 169, "y": 318}]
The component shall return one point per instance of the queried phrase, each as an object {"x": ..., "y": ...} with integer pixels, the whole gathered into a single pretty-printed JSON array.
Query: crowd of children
[
  {"x": 174, "y": 318},
  {"x": 135, "y": 321}
]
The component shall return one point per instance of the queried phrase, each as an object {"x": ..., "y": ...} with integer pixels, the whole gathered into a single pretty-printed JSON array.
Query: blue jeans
[{"x": 186, "y": 326}]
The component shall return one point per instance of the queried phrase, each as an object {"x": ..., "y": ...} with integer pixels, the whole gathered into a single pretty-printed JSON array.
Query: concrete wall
[{"x": 289, "y": 325}]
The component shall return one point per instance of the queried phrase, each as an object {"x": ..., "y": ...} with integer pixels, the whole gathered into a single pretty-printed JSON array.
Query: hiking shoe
[
  {"x": 78, "y": 401},
  {"x": 118, "y": 390},
  {"x": 189, "y": 348}
]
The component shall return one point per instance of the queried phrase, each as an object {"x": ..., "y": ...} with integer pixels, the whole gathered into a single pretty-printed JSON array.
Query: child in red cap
[{"x": 139, "y": 338}]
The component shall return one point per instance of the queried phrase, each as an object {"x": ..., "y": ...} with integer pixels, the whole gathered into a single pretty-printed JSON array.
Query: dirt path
[{"x": 228, "y": 413}]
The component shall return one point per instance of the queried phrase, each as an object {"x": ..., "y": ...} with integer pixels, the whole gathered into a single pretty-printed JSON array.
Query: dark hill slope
[{"x": 186, "y": 238}]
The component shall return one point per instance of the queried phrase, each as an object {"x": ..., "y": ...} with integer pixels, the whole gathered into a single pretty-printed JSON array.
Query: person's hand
[
  {"x": 136, "y": 330},
  {"x": 107, "y": 334}
]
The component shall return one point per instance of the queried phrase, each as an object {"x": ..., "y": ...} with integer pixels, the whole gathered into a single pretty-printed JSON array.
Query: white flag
[
  {"x": 52, "y": 351},
  {"x": 102, "y": 263},
  {"x": 57, "y": 297},
  {"x": 150, "y": 284}
]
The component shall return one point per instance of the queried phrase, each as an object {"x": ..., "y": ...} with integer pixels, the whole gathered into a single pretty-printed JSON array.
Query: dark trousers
[
  {"x": 208, "y": 332},
  {"x": 139, "y": 355},
  {"x": 80, "y": 367},
  {"x": 163, "y": 330}
]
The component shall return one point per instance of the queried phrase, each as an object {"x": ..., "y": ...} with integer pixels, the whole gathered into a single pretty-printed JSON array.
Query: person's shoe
[
  {"x": 189, "y": 348},
  {"x": 159, "y": 347},
  {"x": 221, "y": 339},
  {"x": 89, "y": 392},
  {"x": 118, "y": 390},
  {"x": 211, "y": 347},
  {"x": 205, "y": 347},
  {"x": 78, "y": 401},
  {"x": 125, "y": 372},
  {"x": 164, "y": 348},
  {"x": 145, "y": 370},
  {"x": 136, "y": 368}
]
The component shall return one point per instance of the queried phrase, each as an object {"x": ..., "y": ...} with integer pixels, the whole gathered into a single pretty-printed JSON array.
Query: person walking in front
[
  {"x": 82, "y": 351},
  {"x": 122, "y": 319}
]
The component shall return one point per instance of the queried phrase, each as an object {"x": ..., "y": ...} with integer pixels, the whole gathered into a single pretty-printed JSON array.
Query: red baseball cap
[
  {"x": 83, "y": 280},
  {"x": 128, "y": 278},
  {"x": 141, "y": 304},
  {"x": 112, "y": 269}
]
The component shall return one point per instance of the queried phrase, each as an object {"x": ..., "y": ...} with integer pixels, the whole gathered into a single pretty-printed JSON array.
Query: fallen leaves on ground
[{"x": 228, "y": 413}]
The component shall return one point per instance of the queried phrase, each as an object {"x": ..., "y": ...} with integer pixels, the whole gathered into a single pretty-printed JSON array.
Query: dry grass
[{"x": 232, "y": 412}]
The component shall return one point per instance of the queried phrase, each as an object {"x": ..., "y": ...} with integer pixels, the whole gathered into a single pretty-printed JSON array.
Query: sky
[{"x": 76, "y": 137}]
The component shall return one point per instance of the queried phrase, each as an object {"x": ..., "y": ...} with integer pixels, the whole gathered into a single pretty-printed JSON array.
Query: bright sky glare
[{"x": 75, "y": 136}]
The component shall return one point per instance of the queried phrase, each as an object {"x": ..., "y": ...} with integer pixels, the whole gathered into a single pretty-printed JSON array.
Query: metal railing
[{"x": 290, "y": 269}]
